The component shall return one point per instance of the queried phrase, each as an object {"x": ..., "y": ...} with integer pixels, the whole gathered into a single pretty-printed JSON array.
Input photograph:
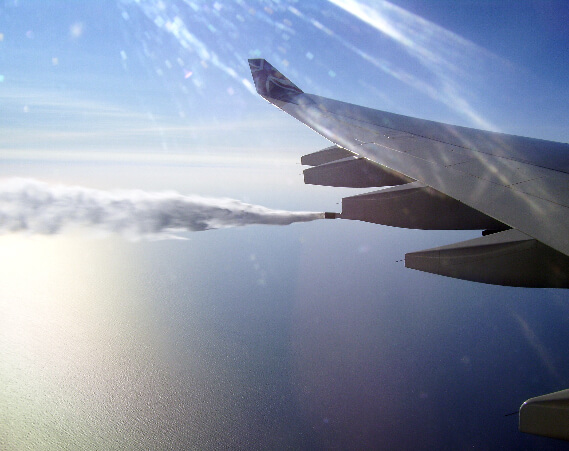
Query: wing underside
[{"x": 442, "y": 177}]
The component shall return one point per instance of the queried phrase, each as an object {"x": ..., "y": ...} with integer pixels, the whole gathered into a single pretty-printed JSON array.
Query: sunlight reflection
[
  {"x": 536, "y": 344},
  {"x": 65, "y": 338},
  {"x": 449, "y": 57}
]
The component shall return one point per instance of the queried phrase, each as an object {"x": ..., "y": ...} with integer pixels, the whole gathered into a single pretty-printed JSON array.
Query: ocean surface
[{"x": 308, "y": 336}]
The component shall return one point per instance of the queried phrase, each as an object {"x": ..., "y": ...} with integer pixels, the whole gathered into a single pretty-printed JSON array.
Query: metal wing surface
[{"x": 442, "y": 176}]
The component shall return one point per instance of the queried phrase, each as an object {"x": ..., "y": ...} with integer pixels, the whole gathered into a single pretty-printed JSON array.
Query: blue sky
[{"x": 171, "y": 77}]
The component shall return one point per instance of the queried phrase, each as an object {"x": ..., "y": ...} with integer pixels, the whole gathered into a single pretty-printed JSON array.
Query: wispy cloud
[
  {"x": 167, "y": 18},
  {"x": 52, "y": 120},
  {"x": 32, "y": 206},
  {"x": 539, "y": 348},
  {"x": 444, "y": 66},
  {"x": 451, "y": 60}
]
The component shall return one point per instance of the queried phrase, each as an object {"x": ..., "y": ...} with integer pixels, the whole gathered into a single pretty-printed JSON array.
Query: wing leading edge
[{"x": 442, "y": 177}]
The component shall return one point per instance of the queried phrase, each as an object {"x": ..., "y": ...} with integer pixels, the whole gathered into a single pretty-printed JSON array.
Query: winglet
[{"x": 269, "y": 82}]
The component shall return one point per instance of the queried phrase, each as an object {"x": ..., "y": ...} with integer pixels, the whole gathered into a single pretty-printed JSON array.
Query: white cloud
[
  {"x": 452, "y": 61},
  {"x": 32, "y": 206}
]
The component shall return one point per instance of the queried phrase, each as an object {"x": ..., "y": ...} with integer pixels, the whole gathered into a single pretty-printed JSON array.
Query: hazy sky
[
  {"x": 311, "y": 335},
  {"x": 172, "y": 76}
]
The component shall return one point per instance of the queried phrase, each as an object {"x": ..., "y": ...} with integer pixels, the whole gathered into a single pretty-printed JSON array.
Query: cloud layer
[{"x": 32, "y": 206}]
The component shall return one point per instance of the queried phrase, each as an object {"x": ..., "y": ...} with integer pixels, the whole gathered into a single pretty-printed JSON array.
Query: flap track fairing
[
  {"x": 508, "y": 258},
  {"x": 416, "y": 206}
]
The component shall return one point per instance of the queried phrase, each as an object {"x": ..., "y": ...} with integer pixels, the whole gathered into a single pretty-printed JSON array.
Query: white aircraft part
[{"x": 546, "y": 415}]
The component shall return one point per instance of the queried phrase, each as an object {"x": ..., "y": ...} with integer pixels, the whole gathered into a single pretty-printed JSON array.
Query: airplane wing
[
  {"x": 447, "y": 177},
  {"x": 442, "y": 177}
]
